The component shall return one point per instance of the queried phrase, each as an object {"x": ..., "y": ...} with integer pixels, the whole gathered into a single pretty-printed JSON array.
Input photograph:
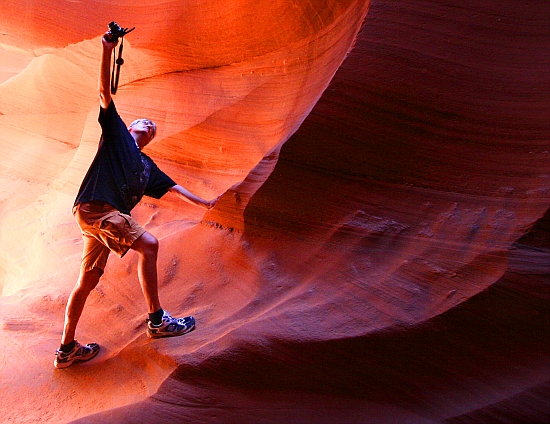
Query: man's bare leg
[
  {"x": 87, "y": 281},
  {"x": 163, "y": 325},
  {"x": 147, "y": 248}
]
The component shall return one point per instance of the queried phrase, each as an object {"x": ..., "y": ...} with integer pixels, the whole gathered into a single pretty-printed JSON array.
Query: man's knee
[{"x": 147, "y": 244}]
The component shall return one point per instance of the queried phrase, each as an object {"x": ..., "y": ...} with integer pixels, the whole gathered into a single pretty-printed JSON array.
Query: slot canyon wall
[{"x": 379, "y": 252}]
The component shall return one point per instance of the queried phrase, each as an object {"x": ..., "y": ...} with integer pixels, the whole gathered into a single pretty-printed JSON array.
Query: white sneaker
[
  {"x": 170, "y": 327},
  {"x": 79, "y": 353}
]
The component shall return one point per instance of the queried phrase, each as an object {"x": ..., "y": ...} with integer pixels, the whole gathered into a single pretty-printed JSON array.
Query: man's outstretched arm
[
  {"x": 105, "y": 71},
  {"x": 186, "y": 195}
]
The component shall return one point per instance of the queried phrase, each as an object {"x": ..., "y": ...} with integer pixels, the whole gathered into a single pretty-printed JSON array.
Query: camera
[{"x": 116, "y": 31}]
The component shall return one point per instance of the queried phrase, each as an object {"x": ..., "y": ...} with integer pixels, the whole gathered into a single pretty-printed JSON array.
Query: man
[{"x": 117, "y": 179}]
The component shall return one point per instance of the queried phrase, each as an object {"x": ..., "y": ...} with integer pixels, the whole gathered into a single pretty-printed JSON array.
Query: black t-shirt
[{"x": 120, "y": 174}]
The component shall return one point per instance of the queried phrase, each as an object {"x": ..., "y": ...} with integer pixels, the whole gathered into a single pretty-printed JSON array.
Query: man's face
[{"x": 144, "y": 126}]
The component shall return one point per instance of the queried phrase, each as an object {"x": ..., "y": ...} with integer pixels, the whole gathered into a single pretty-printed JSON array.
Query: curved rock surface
[{"x": 379, "y": 252}]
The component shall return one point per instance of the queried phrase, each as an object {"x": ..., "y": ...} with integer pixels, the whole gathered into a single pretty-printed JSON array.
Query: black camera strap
[{"x": 117, "y": 63}]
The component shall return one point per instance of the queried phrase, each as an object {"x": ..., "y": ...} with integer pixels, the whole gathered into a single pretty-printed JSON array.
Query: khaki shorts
[{"x": 104, "y": 229}]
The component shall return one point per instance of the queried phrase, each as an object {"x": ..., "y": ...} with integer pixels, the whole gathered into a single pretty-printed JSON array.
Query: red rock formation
[{"x": 382, "y": 265}]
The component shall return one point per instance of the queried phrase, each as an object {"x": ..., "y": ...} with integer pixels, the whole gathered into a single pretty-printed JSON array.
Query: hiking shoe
[
  {"x": 79, "y": 353},
  {"x": 170, "y": 327}
]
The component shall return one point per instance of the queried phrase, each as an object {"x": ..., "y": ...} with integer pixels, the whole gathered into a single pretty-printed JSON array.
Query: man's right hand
[{"x": 107, "y": 42}]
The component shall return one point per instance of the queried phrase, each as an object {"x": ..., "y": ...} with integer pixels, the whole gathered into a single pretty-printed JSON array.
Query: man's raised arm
[{"x": 105, "y": 71}]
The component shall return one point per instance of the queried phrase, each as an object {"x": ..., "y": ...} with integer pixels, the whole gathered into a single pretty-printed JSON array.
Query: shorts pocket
[
  {"x": 117, "y": 231},
  {"x": 112, "y": 226}
]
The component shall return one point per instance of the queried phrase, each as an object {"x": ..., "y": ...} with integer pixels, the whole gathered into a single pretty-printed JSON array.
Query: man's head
[{"x": 143, "y": 130}]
